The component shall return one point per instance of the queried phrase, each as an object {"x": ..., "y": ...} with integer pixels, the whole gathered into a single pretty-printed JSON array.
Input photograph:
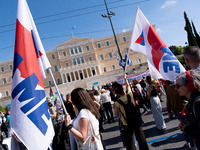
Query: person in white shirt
[
  {"x": 106, "y": 101},
  {"x": 86, "y": 123}
]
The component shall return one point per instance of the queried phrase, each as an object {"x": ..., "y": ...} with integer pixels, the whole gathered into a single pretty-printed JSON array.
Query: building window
[
  {"x": 90, "y": 58},
  {"x": 76, "y": 50},
  {"x": 10, "y": 67},
  {"x": 79, "y": 49},
  {"x": 49, "y": 83},
  {"x": 2, "y": 69},
  {"x": 87, "y": 48},
  {"x": 101, "y": 57},
  {"x": 66, "y": 64},
  {"x": 110, "y": 54},
  {"x": 64, "y": 53},
  {"x": 78, "y": 60},
  {"x": 127, "y": 49},
  {"x": 124, "y": 39},
  {"x": 82, "y": 60},
  {"x": 4, "y": 81},
  {"x": 104, "y": 69},
  {"x": 7, "y": 93},
  {"x": 139, "y": 61},
  {"x": 58, "y": 81},
  {"x": 47, "y": 70},
  {"x": 107, "y": 43},
  {"x": 53, "y": 56},
  {"x": 55, "y": 68},
  {"x": 113, "y": 67},
  {"x": 71, "y": 51},
  {"x": 74, "y": 61},
  {"x": 99, "y": 45}
]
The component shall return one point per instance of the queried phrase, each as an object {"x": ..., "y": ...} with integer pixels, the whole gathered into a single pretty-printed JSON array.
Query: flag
[
  {"x": 52, "y": 94},
  {"x": 162, "y": 62},
  {"x": 124, "y": 61},
  {"x": 30, "y": 118},
  {"x": 128, "y": 61}
]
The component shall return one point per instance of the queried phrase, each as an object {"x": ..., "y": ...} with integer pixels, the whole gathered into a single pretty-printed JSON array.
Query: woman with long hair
[
  {"x": 86, "y": 124},
  {"x": 188, "y": 85}
]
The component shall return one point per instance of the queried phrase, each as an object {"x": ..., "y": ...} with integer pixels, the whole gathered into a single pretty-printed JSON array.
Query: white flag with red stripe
[
  {"x": 30, "y": 118},
  {"x": 162, "y": 62}
]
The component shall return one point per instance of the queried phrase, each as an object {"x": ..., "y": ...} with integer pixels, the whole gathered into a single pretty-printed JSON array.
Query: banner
[
  {"x": 131, "y": 77},
  {"x": 30, "y": 118},
  {"x": 162, "y": 62}
]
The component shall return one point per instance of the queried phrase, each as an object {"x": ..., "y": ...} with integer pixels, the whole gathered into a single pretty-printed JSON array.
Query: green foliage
[
  {"x": 190, "y": 35},
  {"x": 181, "y": 59},
  {"x": 177, "y": 50},
  {"x": 1, "y": 108},
  {"x": 197, "y": 38}
]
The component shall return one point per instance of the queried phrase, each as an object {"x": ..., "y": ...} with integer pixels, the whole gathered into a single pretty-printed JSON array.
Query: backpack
[{"x": 132, "y": 113}]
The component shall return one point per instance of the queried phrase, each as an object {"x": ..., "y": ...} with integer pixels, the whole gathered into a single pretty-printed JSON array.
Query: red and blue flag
[
  {"x": 162, "y": 62},
  {"x": 30, "y": 118}
]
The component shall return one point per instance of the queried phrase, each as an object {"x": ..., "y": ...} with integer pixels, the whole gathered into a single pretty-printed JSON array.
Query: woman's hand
[{"x": 67, "y": 119}]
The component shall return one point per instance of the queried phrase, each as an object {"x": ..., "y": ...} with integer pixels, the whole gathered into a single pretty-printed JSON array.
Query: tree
[
  {"x": 176, "y": 50},
  {"x": 188, "y": 28},
  {"x": 197, "y": 37}
]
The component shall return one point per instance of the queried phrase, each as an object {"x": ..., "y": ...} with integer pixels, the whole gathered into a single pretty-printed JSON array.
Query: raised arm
[{"x": 128, "y": 88}]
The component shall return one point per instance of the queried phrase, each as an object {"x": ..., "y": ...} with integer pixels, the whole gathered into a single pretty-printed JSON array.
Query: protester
[
  {"x": 86, "y": 125},
  {"x": 69, "y": 106},
  {"x": 175, "y": 106},
  {"x": 96, "y": 95},
  {"x": 140, "y": 95},
  {"x": 101, "y": 110},
  {"x": 188, "y": 85},
  {"x": 101, "y": 117},
  {"x": 156, "y": 106},
  {"x": 9, "y": 133},
  {"x": 52, "y": 113},
  {"x": 192, "y": 57},
  {"x": 120, "y": 112},
  {"x": 106, "y": 101}
]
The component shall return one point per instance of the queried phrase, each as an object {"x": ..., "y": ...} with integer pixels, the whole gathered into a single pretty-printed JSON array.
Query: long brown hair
[{"x": 82, "y": 100}]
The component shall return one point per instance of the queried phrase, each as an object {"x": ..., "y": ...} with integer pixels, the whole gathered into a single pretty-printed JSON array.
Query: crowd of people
[{"x": 87, "y": 110}]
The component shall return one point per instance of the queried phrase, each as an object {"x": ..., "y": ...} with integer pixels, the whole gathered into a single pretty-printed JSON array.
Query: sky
[{"x": 54, "y": 20}]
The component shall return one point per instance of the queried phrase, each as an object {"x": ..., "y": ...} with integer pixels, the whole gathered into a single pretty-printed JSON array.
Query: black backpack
[{"x": 133, "y": 116}]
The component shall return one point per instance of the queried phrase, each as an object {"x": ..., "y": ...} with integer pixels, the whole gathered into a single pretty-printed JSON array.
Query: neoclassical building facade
[{"x": 81, "y": 62}]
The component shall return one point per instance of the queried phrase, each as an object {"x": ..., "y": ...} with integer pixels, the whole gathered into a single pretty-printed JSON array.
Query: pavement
[{"x": 170, "y": 139}]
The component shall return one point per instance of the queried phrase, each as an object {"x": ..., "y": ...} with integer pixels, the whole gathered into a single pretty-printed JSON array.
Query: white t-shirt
[
  {"x": 97, "y": 98},
  {"x": 84, "y": 113},
  {"x": 105, "y": 97}
]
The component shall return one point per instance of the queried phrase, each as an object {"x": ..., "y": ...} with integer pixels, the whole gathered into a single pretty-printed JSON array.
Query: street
[{"x": 170, "y": 139}]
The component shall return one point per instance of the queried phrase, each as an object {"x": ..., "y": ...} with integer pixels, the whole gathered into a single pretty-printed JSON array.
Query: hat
[{"x": 103, "y": 90}]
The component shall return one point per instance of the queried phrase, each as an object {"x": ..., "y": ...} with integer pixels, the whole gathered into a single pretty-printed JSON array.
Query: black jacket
[{"x": 193, "y": 129}]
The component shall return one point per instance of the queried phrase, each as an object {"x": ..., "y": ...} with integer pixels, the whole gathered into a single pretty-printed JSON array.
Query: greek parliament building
[{"x": 80, "y": 62}]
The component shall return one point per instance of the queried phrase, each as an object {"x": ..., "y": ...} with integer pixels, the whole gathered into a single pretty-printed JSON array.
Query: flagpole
[
  {"x": 109, "y": 17},
  {"x": 57, "y": 91}
]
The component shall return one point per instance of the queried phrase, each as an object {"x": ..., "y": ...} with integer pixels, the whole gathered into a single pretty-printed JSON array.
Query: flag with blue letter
[
  {"x": 162, "y": 62},
  {"x": 30, "y": 118}
]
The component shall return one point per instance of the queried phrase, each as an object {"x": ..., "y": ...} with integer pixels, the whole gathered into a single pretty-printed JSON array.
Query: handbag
[{"x": 92, "y": 142}]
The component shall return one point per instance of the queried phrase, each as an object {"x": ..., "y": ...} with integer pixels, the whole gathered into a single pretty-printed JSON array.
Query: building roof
[{"x": 73, "y": 40}]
